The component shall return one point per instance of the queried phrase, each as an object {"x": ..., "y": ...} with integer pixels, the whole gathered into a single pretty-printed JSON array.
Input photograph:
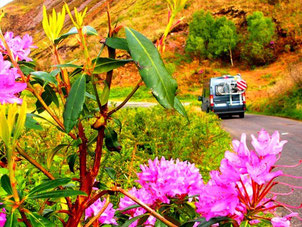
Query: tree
[
  {"x": 211, "y": 37},
  {"x": 225, "y": 39},
  {"x": 261, "y": 29}
]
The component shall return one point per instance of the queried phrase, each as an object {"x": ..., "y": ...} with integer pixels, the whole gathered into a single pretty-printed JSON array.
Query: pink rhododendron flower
[
  {"x": 2, "y": 217},
  {"x": 20, "y": 47},
  {"x": 245, "y": 178},
  {"x": 8, "y": 85},
  {"x": 266, "y": 144},
  {"x": 283, "y": 221},
  {"x": 107, "y": 217},
  {"x": 166, "y": 179}
]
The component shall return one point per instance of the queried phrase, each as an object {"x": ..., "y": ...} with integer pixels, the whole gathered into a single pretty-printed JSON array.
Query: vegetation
[
  {"x": 211, "y": 38},
  {"x": 259, "y": 46},
  {"x": 284, "y": 105},
  {"x": 147, "y": 133}
]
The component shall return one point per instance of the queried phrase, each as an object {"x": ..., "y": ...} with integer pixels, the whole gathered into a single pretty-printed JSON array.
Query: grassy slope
[{"x": 150, "y": 18}]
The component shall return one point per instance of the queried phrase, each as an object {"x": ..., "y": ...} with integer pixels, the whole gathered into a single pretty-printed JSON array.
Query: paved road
[{"x": 289, "y": 130}]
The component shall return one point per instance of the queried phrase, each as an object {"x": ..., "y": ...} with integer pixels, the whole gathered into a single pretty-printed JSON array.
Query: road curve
[{"x": 289, "y": 130}]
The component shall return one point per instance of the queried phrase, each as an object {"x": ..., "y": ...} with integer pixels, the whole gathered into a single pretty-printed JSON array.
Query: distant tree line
[{"x": 211, "y": 37}]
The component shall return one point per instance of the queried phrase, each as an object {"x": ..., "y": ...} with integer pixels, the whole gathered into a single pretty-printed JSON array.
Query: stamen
[
  {"x": 279, "y": 193},
  {"x": 289, "y": 185},
  {"x": 287, "y": 175},
  {"x": 288, "y": 166},
  {"x": 290, "y": 206}
]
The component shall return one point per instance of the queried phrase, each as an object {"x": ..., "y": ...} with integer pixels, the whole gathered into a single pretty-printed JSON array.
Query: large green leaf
[
  {"x": 45, "y": 77},
  {"x": 104, "y": 65},
  {"x": 86, "y": 30},
  {"x": 50, "y": 184},
  {"x": 117, "y": 43},
  {"x": 57, "y": 194},
  {"x": 74, "y": 103},
  {"x": 5, "y": 183},
  {"x": 152, "y": 68}
]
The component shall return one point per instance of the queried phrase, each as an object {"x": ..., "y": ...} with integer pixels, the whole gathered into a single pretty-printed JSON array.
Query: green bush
[
  {"x": 154, "y": 132},
  {"x": 261, "y": 31},
  {"x": 209, "y": 37},
  {"x": 285, "y": 105}
]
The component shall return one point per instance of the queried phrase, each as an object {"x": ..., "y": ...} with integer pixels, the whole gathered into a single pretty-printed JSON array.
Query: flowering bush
[{"x": 171, "y": 191}]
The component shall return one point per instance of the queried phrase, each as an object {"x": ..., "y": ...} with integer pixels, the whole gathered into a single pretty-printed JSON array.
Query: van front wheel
[{"x": 241, "y": 115}]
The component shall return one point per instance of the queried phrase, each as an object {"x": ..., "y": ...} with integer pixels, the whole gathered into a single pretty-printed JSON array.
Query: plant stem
[
  {"x": 147, "y": 208},
  {"x": 99, "y": 214},
  {"x": 11, "y": 172},
  {"x": 34, "y": 162},
  {"x": 64, "y": 74},
  {"x": 126, "y": 99},
  {"x": 40, "y": 167}
]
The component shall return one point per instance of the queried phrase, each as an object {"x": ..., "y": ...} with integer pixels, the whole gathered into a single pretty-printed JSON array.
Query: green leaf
[
  {"x": 37, "y": 220},
  {"x": 71, "y": 161},
  {"x": 212, "y": 221},
  {"x": 180, "y": 108},
  {"x": 117, "y": 43},
  {"x": 74, "y": 103},
  {"x": 105, "y": 94},
  {"x": 130, "y": 207},
  {"x": 111, "y": 140},
  {"x": 44, "y": 76},
  {"x": 129, "y": 222},
  {"x": 27, "y": 67},
  {"x": 5, "y": 183},
  {"x": 50, "y": 184},
  {"x": 52, "y": 153},
  {"x": 31, "y": 123},
  {"x": 152, "y": 68},
  {"x": 245, "y": 224},
  {"x": 86, "y": 30},
  {"x": 40, "y": 117},
  {"x": 111, "y": 173},
  {"x": 57, "y": 194},
  {"x": 90, "y": 96},
  {"x": 11, "y": 220},
  {"x": 69, "y": 65},
  {"x": 104, "y": 65},
  {"x": 158, "y": 223},
  {"x": 142, "y": 220},
  {"x": 48, "y": 96}
]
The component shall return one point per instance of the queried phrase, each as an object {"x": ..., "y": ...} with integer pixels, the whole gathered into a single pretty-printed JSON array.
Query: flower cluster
[
  {"x": 239, "y": 189},
  {"x": 20, "y": 47},
  {"x": 162, "y": 180},
  {"x": 2, "y": 217},
  {"x": 8, "y": 85},
  {"x": 107, "y": 217}
]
